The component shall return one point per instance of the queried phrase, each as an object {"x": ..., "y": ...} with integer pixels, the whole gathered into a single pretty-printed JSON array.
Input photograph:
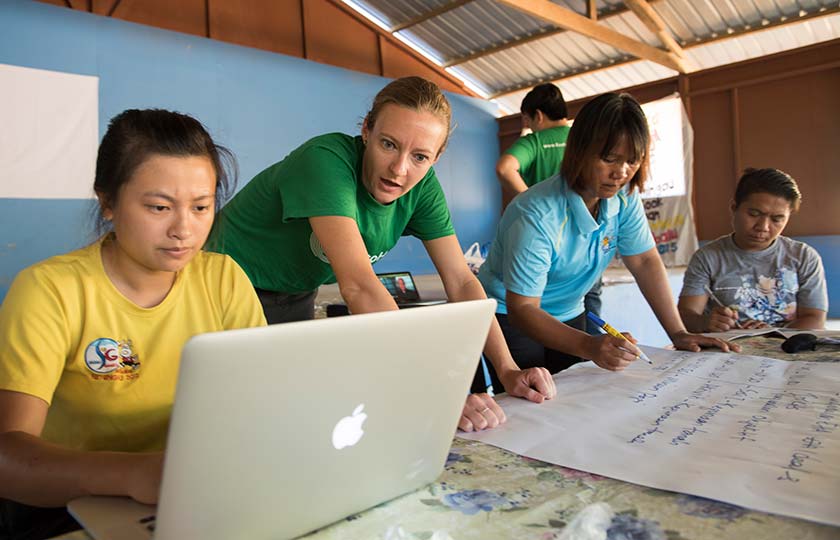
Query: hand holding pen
[
  {"x": 721, "y": 318},
  {"x": 613, "y": 351}
]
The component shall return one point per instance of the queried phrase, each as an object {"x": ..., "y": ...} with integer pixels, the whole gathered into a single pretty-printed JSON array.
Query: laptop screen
[{"x": 400, "y": 285}]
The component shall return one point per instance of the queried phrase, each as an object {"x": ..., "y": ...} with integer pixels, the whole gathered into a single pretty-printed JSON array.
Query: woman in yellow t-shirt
[{"x": 90, "y": 341}]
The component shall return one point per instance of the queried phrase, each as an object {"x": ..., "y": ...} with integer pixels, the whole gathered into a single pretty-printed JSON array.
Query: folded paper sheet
[{"x": 747, "y": 430}]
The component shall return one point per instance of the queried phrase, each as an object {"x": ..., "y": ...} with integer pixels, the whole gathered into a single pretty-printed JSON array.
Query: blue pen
[
  {"x": 487, "y": 381},
  {"x": 613, "y": 332}
]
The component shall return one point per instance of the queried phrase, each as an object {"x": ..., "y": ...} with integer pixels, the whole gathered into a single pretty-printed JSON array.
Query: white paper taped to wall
[
  {"x": 49, "y": 134},
  {"x": 747, "y": 430}
]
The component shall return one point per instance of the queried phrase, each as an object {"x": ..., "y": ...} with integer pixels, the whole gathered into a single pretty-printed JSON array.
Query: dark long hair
[
  {"x": 596, "y": 131},
  {"x": 134, "y": 135}
]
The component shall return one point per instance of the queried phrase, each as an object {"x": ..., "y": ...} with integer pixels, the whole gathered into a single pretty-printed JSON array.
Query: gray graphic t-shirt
[{"x": 765, "y": 285}]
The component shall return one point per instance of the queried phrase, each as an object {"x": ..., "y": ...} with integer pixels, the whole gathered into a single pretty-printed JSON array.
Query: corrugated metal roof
[
  {"x": 706, "y": 56},
  {"x": 502, "y": 52}
]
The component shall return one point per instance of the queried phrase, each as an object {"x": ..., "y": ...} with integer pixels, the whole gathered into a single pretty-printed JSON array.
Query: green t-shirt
[
  {"x": 540, "y": 153},
  {"x": 265, "y": 226}
]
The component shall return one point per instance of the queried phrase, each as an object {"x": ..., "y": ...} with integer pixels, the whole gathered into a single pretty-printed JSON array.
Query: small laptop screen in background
[{"x": 400, "y": 285}]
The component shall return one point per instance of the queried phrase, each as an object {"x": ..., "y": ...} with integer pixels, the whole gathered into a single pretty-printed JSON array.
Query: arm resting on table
[{"x": 38, "y": 473}]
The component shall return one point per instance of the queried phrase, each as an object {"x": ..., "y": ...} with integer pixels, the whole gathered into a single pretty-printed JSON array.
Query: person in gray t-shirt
[{"x": 758, "y": 278}]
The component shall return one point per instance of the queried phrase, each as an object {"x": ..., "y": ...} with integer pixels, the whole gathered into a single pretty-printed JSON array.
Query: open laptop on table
[
  {"x": 280, "y": 430},
  {"x": 403, "y": 288}
]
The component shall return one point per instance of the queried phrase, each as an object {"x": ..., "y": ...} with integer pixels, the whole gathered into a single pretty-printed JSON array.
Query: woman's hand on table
[
  {"x": 534, "y": 384},
  {"x": 481, "y": 412},
  {"x": 686, "y": 341},
  {"x": 612, "y": 353}
]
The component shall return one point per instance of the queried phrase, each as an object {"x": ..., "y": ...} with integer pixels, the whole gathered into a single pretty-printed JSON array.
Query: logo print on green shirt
[{"x": 318, "y": 250}]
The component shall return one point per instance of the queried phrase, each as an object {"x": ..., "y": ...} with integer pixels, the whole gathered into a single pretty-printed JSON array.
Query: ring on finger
[{"x": 484, "y": 410}]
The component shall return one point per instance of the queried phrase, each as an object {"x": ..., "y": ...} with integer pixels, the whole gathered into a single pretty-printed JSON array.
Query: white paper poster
[
  {"x": 751, "y": 431},
  {"x": 49, "y": 133}
]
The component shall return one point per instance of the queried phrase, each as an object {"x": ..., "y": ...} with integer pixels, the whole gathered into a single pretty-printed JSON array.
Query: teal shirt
[
  {"x": 265, "y": 227},
  {"x": 549, "y": 246}
]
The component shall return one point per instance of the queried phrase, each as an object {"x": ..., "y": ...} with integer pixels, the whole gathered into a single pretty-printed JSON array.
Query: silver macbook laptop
[
  {"x": 280, "y": 430},
  {"x": 403, "y": 289}
]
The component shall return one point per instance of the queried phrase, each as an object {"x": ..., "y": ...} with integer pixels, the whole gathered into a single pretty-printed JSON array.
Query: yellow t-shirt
[{"x": 106, "y": 366}]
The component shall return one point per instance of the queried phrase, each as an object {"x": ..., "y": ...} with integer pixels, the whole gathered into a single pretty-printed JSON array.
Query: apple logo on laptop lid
[{"x": 348, "y": 431}]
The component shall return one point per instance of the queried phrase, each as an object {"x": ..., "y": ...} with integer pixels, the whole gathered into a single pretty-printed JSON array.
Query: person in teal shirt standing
[
  {"x": 538, "y": 156},
  {"x": 555, "y": 240},
  {"x": 339, "y": 203}
]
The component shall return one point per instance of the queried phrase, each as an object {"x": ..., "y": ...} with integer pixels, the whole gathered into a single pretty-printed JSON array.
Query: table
[{"x": 486, "y": 492}]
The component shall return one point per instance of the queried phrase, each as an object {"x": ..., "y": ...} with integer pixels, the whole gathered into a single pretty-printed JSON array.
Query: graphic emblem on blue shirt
[
  {"x": 105, "y": 355},
  {"x": 607, "y": 243}
]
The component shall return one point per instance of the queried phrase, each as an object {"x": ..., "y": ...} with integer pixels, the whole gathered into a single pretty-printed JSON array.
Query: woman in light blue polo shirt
[{"x": 556, "y": 239}]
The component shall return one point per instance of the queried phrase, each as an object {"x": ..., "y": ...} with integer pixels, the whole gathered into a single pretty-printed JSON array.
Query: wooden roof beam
[
  {"x": 568, "y": 19},
  {"x": 616, "y": 9},
  {"x": 782, "y": 21},
  {"x": 384, "y": 34},
  {"x": 430, "y": 15},
  {"x": 655, "y": 24}
]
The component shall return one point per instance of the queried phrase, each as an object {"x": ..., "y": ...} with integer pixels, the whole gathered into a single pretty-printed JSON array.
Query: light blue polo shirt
[{"x": 548, "y": 245}]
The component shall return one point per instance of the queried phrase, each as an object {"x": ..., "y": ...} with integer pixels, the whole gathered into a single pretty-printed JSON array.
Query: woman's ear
[
  {"x": 104, "y": 206},
  {"x": 365, "y": 130}
]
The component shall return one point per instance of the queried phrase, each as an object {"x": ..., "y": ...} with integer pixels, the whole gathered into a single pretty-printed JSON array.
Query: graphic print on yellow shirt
[{"x": 109, "y": 359}]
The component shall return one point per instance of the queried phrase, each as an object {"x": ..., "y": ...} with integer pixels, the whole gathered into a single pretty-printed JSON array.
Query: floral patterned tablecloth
[{"x": 486, "y": 492}]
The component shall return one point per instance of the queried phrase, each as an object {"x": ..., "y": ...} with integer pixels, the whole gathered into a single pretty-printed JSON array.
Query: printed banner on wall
[
  {"x": 667, "y": 195},
  {"x": 50, "y": 133}
]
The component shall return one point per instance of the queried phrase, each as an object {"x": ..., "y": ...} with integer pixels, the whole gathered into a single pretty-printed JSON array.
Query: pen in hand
[
  {"x": 615, "y": 333},
  {"x": 717, "y": 301}
]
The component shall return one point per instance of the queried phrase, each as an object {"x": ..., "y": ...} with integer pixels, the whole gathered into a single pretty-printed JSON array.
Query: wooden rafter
[
  {"x": 387, "y": 36},
  {"x": 704, "y": 41},
  {"x": 618, "y": 10},
  {"x": 114, "y": 7},
  {"x": 592, "y": 9},
  {"x": 430, "y": 14},
  {"x": 781, "y": 21},
  {"x": 566, "y": 18},
  {"x": 655, "y": 24},
  {"x": 522, "y": 85}
]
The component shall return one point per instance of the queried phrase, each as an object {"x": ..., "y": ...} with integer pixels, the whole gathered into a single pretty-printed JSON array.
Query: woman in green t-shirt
[{"x": 338, "y": 203}]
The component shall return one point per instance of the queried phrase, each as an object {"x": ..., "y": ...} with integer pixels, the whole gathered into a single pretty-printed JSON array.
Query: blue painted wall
[
  {"x": 624, "y": 307},
  {"x": 829, "y": 249},
  {"x": 259, "y": 104}
]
